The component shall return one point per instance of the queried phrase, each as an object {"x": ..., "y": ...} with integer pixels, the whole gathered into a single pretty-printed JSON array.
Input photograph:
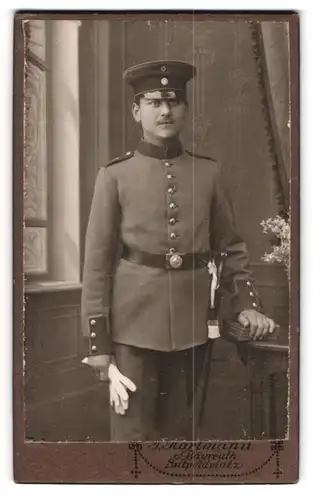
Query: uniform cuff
[
  {"x": 246, "y": 297},
  {"x": 99, "y": 336}
]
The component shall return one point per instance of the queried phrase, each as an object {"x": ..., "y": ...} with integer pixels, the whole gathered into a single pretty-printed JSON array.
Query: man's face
[{"x": 161, "y": 118}]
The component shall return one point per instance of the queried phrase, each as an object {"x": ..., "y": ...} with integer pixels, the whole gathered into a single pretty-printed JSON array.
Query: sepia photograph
[{"x": 157, "y": 266}]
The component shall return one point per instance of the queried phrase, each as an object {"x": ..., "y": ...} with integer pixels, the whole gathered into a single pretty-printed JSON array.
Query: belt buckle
[{"x": 174, "y": 260}]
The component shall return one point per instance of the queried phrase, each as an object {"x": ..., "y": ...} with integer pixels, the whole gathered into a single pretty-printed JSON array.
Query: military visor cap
[{"x": 163, "y": 76}]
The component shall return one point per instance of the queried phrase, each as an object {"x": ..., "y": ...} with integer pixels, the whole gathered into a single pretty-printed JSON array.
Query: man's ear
[{"x": 136, "y": 112}]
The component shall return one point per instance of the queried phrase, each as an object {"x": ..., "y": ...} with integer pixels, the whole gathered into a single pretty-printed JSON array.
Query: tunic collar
[{"x": 172, "y": 149}]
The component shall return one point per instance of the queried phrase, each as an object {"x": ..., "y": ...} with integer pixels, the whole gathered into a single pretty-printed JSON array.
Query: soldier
[{"x": 157, "y": 216}]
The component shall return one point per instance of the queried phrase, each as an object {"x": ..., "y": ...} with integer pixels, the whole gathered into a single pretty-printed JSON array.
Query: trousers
[{"x": 162, "y": 406}]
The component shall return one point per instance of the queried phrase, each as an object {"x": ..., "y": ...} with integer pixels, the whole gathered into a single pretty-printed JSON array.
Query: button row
[
  {"x": 254, "y": 304},
  {"x": 93, "y": 335},
  {"x": 172, "y": 205}
]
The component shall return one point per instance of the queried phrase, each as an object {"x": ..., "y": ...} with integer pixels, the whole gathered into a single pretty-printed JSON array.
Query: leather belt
[{"x": 170, "y": 260}]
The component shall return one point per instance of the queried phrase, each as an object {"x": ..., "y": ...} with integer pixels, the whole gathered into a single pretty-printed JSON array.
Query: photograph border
[{"x": 106, "y": 462}]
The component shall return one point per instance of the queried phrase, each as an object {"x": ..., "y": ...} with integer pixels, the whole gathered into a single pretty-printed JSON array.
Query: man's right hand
[
  {"x": 99, "y": 363},
  {"x": 107, "y": 369}
]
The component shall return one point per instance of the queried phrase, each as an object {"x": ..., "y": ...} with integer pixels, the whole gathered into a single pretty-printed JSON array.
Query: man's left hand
[{"x": 260, "y": 325}]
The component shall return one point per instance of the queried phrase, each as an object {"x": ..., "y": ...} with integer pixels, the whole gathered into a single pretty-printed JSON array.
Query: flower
[{"x": 280, "y": 243}]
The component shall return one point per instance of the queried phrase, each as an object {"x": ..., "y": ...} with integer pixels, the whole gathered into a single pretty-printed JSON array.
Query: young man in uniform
[{"x": 157, "y": 216}]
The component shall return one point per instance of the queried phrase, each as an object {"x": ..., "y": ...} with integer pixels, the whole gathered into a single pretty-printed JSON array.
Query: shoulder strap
[
  {"x": 191, "y": 153},
  {"x": 118, "y": 159}
]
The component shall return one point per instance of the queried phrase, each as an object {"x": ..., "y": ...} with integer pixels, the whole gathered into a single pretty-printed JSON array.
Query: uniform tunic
[{"x": 156, "y": 200}]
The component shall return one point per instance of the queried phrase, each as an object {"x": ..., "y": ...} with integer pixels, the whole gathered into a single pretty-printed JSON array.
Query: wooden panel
[
  {"x": 63, "y": 399},
  {"x": 75, "y": 417},
  {"x": 268, "y": 393},
  {"x": 59, "y": 329}
]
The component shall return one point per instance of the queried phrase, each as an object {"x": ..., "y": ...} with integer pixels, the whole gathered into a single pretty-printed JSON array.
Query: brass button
[
  {"x": 172, "y": 221},
  {"x": 93, "y": 348},
  {"x": 169, "y": 177},
  {"x": 172, "y": 236},
  {"x": 172, "y": 205},
  {"x": 171, "y": 190},
  {"x": 251, "y": 294},
  {"x": 254, "y": 304},
  {"x": 168, "y": 164},
  {"x": 249, "y": 283},
  {"x": 93, "y": 322},
  {"x": 93, "y": 335}
]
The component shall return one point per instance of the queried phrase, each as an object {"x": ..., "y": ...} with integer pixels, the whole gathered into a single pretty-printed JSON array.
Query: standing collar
[{"x": 172, "y": 149}]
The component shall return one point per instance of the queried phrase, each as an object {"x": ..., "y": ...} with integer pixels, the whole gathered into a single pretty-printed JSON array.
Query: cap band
[
  {"x": 153, "y": 83},
  {"x": 160, "y": 94}
]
